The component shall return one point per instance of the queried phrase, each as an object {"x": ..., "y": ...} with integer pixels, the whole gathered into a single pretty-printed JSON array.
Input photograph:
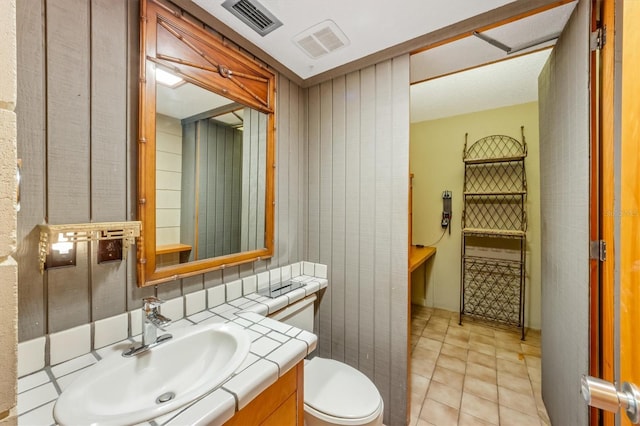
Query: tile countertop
[{"x": 275, "y": 348}]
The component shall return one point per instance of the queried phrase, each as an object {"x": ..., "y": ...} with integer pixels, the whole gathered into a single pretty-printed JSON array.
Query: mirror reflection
[
  {"x": 206, "y": 160},
  {"x": 210, "y": 173}
]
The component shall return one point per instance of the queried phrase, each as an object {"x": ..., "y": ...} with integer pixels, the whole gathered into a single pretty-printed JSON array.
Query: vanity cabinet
[
  {"x": 494, "y": 226},
  {"x": 281, "y": 404}
]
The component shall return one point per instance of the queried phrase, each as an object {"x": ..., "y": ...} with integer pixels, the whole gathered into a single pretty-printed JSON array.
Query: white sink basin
[{"x": 125, "y": 390}]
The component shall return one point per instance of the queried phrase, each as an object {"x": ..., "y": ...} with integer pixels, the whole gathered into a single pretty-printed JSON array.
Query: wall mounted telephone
[{"x": 446, "y": 210}]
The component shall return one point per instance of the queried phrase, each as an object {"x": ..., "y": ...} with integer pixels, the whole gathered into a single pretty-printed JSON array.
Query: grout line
[{"x": 540, "y": 413}]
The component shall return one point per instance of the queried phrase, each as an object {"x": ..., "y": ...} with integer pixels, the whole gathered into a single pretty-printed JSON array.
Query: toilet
[{"x": 334, "y": 393}]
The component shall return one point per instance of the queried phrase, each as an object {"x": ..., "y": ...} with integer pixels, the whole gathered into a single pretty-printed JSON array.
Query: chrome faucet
[{"x": 152, "y": 320}]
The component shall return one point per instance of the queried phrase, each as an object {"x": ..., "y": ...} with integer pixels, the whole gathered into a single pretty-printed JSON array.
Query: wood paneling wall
[
  {"x": 213, "y": 159},
  {"x": 358, "y": 177},
  {"x": 563, "y": 88},
  {"x": 73, "y": 135},
  {"x": 77, "y": 136},
  {"x": 254, "y": 173},
  {"x": 341, "y": 185}
]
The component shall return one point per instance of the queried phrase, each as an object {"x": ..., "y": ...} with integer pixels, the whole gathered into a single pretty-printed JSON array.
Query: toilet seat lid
[{"x": 339, "y": 390}]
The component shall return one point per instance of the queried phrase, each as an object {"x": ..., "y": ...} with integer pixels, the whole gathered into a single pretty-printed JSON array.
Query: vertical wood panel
[
  {"x": 191, "y": 284},
  {"x": 313, "y": 173},
  {"x": 68, "y": 156},
  {"x": 352, "y": 218},
  {"x": 303, "y": 174},
  {"x": 246, "y": 166},
  {"x": 252, "y": 170},
  {"x": 564, "y": 169},
  {"x": 134, "y": 293},
  {"x": 212, "y": 279},
  {"x": 108, "y": 145},
  {"x": 399, "y": 239},
  {"x": 189, "y": 187},
  {"x": 227, "y": 181},
  {"x": 237, "y": 190},
  {"x": 169, "y": 290},
  {"x": 253, "y": 178},
  {"x": 30, "y": 113},
  {"x": 262, "y": 178},
  {"x": 313, "y": 187},
  {"x": 283, "y": 145},
  {"x": 215, "y": 215},
  {"x": 207, "y": 154},
  {"x": 360, "y": 146},
  {"x": 231, "y": 274},
  {"x": 294, "y": 202},
  {"x": 367, "y": 220},
  {"x": 338, "y": 224},
  {"x": 325, "y": 219},
  {"x": 382, "y": 238}
]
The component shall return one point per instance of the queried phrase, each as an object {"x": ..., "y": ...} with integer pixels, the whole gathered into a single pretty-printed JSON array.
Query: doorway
[{"x": 438, "y": 171}]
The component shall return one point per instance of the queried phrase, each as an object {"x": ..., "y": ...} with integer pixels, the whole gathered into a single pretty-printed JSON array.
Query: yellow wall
[{"x": 436, "y": 162}]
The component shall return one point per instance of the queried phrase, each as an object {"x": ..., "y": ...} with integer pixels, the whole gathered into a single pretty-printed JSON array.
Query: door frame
[{"x": 602, "y": 203}]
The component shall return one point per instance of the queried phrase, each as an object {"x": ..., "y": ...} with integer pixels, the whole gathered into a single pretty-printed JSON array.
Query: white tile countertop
[{"x": 275, "y": 347}]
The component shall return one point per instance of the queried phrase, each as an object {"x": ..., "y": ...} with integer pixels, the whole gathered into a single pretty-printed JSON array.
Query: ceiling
[
  {"x": 369, "y": 25},
  {"x": 375, "y": 30},
  {"x": 444, "y": 38},
  {"x": 492, "y": 86},
  {"x": 496, "y": 68},
  {"x": 523, "y": 36}
]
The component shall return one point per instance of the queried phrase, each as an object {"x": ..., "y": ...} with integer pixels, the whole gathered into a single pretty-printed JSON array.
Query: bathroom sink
[{"x": 122, "y": 390}]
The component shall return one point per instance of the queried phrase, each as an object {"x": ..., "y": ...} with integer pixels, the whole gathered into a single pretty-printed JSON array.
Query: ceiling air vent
[
  {"x": 253, "y": 14},
  {"x": 321, "y": 39}
]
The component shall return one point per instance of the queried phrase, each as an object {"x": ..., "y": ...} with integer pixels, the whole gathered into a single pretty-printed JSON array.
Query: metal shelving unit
[{"x": 494, "y": 225}]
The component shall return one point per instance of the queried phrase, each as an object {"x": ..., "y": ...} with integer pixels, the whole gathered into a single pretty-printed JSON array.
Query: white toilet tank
[
  {"x": 299, "y": 314},
  {"x": 335, "y": 394}
]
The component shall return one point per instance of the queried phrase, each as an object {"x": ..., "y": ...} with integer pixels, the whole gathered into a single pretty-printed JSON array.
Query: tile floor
[{"x": 474, "y": 374}]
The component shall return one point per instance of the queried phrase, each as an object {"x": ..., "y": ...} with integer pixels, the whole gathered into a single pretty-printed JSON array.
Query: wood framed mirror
[{"x": 206, "y": 150}]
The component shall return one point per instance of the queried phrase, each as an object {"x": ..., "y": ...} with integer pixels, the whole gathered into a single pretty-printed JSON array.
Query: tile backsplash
[
  {"x": 275, "y": 348},
  {"x": 62, "y": 346}
]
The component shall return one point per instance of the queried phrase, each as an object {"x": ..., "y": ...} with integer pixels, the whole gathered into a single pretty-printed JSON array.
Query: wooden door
[
  {"x": 603, "y": 202},
  {"x": 619, "y": 206},
  {"x": 629, "y": 306}
]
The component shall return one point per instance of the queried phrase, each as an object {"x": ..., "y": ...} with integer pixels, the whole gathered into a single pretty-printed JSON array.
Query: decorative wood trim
[
  {"x": 201, "y": 59},
  {"x": 172, "y": 39}
]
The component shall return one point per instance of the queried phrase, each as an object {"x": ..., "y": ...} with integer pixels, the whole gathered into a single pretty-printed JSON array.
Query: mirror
[{"x": 205, "y": 152}]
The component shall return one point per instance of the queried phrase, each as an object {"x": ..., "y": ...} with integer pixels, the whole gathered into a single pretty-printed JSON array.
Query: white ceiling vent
[
  {"x": 321, "y": 39},
  {"x": 253, "y": 14}
]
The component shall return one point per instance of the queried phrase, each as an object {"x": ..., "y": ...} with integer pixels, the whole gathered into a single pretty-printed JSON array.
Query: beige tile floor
[{"x": 474, "y": 374}]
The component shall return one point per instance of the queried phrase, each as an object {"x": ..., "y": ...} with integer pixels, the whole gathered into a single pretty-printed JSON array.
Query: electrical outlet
[{"x": 109, "y": 250}]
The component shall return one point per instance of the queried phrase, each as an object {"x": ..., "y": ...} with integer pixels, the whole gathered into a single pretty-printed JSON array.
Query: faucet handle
[{"x": 151, "y": 302}]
